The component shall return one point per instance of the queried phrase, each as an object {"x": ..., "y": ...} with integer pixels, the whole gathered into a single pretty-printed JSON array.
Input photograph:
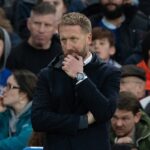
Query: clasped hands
[{"x": 124, "y": 140}]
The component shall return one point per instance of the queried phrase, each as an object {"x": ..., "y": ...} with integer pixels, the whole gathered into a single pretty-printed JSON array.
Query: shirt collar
[
  {"x": 110, "y": 25},
  {"x": 87, "y": 60}
]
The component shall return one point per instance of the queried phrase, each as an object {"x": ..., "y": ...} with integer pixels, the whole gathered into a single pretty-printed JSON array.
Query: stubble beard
[{"x": 83, "y": 53}]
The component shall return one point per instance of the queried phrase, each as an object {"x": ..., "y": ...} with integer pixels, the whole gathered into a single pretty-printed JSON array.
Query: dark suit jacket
[{"x": 59, "y": 103}]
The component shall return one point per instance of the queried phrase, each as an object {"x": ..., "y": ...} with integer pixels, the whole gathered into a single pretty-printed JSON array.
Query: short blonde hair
[{"x": 75, "y": 18}]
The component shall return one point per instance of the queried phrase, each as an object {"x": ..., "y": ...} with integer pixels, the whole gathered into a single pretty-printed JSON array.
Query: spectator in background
[
  {"x": 5, "y": 23},
  {"x": 127, "y": 26},
  {"x": 133, "y": 79},
  {"x": 103, "y": 43},
  {"x": 42, "y": 45},
  {"x": 5, "y": 47},
  {"x": 61, "y": 8},
  {"x": 22, "y": 12},
  {"x": 15, "y": 120},
  {"x": 76, "y": 93},
  {"x": 129, "y": 123}
]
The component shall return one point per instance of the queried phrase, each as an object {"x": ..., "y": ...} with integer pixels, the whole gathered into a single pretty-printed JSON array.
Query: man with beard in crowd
[{"x": 128, "y": 26}]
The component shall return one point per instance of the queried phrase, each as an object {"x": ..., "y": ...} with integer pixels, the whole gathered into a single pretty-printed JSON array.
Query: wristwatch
[{"x": 80, "y": 76}]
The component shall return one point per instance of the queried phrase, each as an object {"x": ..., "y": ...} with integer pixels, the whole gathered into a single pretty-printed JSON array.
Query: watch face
[{"x": 80, "y": 76}]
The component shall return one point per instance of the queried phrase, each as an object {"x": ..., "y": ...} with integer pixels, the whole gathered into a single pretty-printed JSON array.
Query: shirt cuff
[
  {"x": 83, "y": 122},
  {"x": 81, "y": 80}
]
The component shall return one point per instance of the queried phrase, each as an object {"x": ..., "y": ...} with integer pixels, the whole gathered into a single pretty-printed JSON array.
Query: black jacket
[
  {"x": 59, "y": 103},
  {"x": 144, "y": 6},
  {"x": 25, "y": 56}
]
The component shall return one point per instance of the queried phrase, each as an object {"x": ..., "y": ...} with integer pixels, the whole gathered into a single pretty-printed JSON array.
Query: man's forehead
[
  {"x": 130, "y": 78},
  {"x": 123, "y": 112}
]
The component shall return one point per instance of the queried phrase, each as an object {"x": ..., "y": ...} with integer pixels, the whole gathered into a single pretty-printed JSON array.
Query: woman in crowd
[{"x": 15, "y": 123}]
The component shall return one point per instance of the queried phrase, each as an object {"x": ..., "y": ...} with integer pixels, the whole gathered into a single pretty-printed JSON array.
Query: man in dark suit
[{"x": 76, "y": 93}]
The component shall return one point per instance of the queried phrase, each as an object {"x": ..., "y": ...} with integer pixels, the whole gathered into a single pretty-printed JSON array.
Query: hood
[{"x": 7, "y": 48}]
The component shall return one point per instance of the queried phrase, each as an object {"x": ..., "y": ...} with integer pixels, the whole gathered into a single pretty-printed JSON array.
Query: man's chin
[
  {"x": 40, "y": 45},
  {"x": 120, "y": 135}
]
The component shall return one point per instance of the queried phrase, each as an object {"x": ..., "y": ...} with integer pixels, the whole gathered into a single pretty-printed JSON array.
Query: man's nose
[
  {"x": 68, "y": 45},
  {"x": 119, "y": 123},
  {"x": 97, "y": 46},
  {"x": 42, "y": 28}
]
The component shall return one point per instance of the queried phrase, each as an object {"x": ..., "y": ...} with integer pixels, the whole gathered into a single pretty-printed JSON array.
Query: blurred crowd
[{"x": 29, "y": 41}]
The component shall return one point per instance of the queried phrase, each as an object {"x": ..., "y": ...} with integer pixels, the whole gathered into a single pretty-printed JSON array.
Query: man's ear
[
  {"x": 112, "y": 50},
  {"x": 65, "y": 9},
  {"x": 89, "y": 38},
  {"x": 28, "y": 23},
  {"x": 137, "y": 117}
]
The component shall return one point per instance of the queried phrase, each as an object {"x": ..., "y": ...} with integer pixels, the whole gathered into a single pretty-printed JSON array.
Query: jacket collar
[{"x": 57, "y": 61}]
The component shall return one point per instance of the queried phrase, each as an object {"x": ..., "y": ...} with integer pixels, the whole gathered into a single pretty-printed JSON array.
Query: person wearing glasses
[{"x": 15, "y": 123}]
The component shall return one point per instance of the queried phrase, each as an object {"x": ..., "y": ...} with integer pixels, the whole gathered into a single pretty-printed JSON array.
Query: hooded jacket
[
  {"x": 4, "y": 73},
  {"x": 15, "y": 131}
]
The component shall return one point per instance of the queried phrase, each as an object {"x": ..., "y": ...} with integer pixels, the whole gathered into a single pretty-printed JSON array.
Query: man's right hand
[
  {"x": 124, "y": 140},
  {"x": 90, "y": 117}
]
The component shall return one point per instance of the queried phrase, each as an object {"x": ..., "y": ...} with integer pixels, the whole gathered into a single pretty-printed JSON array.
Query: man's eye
[
  {"x": 74, "y": 39},
  {"x": 37, "y": 23},
  {"x": 56, "y": 3}
]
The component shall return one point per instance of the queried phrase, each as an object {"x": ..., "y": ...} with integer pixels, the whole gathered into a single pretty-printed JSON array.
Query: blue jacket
[
  {"x": 19, "y": 139},
  {"x": 4, "y": 74},
  {"x": 59, "y": 104}
]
